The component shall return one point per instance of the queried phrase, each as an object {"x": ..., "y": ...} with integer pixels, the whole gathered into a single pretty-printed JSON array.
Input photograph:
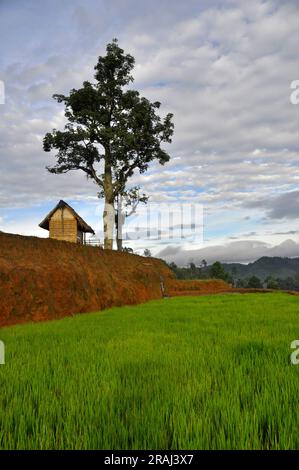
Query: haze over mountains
[
  {"x": 239, "y": 251},
  {"x": 275, "y": 267}
]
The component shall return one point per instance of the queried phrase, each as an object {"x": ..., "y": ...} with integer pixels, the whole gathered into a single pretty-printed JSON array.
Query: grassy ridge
[{"x": 182, "y": 373}]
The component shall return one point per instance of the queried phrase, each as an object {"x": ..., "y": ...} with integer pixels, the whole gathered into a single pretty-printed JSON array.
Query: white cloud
[
  {"x": 242, "y": 251},
  {"x": 224, "y": 69}
]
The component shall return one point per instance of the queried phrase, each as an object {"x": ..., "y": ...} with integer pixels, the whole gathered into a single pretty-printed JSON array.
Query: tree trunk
[
  {"x": 119, "y": 224},
  {"x": 119, "y": 242},
  {"x": 108, "y": 218},
  {"x": 108, "y": 215}
]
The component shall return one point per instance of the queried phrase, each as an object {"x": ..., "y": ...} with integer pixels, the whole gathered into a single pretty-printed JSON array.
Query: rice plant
[{"x": 208, "y": 372}]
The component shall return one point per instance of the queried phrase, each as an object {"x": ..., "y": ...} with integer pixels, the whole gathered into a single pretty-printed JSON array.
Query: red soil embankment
[
  {"x": 196, "y": 287},
  {"x": 42, "y": 279}
]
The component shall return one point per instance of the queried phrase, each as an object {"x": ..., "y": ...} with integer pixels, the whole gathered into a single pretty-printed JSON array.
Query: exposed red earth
[{"x": 42, "y": 279}]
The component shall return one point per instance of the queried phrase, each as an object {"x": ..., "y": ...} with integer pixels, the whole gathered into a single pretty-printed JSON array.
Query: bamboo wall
[
  {"x": 80, "y": 237},
  {"x": 63, "y": 226}
]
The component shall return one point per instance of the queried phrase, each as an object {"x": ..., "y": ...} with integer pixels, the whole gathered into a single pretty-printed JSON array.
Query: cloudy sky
[{"x": 224, "y": 68}]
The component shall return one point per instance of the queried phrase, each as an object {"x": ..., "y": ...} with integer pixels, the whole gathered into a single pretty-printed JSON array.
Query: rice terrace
[{"x": 209, "y": 372}]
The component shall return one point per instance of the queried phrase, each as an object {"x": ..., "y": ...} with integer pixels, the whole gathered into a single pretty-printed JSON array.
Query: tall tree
[
  {"x": 111, "y": 131},
  {"x": 126, "y": 205}
]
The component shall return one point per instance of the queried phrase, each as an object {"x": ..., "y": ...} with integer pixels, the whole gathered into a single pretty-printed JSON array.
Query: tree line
[
  {"x": 203, "y": 271},
  {"x": 217, "y": 271}
]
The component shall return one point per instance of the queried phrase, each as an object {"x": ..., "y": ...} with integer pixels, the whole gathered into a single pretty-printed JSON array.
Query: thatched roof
[{"x": 83, "y": 226}]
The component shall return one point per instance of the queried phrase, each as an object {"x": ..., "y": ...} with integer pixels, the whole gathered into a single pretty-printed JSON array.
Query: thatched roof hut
[{"x": 64, "y": 223}]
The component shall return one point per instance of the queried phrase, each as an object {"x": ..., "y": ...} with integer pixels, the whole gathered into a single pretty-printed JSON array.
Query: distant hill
[{"x": 263, "y": 267}]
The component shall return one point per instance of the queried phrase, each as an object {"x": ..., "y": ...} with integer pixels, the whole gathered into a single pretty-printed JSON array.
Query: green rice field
[{"x": 210, "y": 372}]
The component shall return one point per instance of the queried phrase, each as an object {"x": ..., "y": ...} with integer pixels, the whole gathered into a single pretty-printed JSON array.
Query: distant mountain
[{"x": 263, "y": 267}]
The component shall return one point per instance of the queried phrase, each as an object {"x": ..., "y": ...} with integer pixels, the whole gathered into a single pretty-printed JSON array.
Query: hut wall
[
  {"x": 80, "y": 237},
  {"x": 63, "y": 226}
]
